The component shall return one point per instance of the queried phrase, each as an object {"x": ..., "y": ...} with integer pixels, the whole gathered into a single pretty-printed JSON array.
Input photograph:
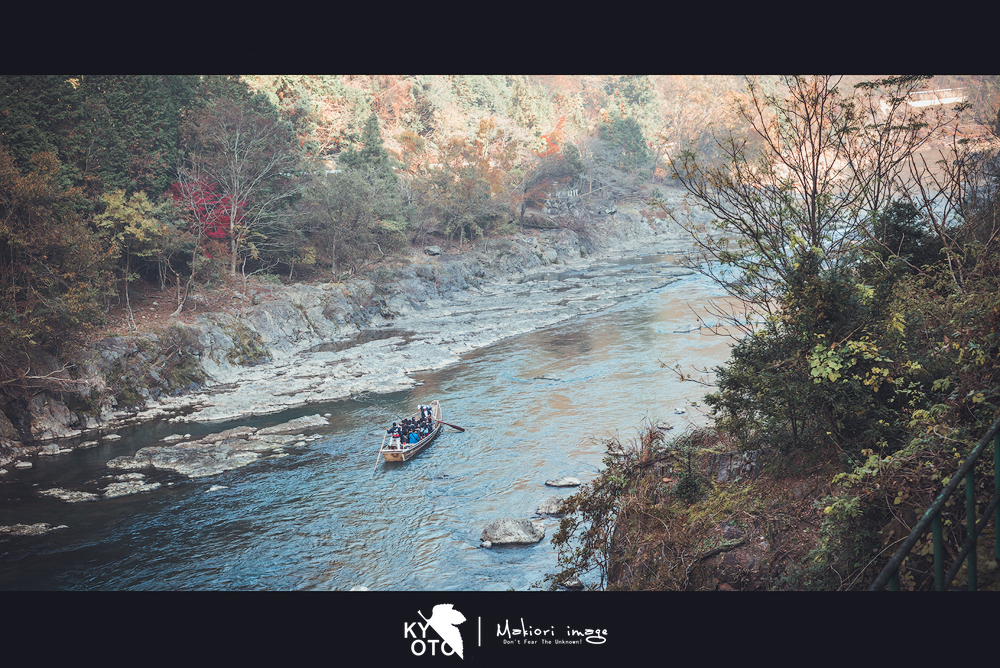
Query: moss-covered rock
[{"x": 248, "y": 346}]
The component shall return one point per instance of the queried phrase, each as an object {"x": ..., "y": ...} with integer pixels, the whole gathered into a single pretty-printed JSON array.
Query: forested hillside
[{"x": 109, "y": 183}]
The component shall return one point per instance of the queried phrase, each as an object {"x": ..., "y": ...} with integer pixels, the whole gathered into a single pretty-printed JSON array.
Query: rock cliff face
[
  {"x": 123, "y": 379},
  {"x": 10, "y": 441}
]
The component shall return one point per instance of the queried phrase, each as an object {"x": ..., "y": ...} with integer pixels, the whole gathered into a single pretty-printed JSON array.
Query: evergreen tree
[
  {"x": 638, "y": 90},
  {"x": 571, "y": 161},
  {"x": 132, "y": 124},
  {"x": 41, "y": 113},
  {"x": 373, "y": 152},
  {"x": 108, "y": 132},
  {"x": 625, "y": 134}
]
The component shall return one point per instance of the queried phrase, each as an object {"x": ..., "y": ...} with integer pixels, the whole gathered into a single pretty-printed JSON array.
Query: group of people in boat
[{"x": 411, "y": 430}]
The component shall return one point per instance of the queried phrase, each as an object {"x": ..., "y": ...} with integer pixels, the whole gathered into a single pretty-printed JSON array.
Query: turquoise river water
[{"x": 320, "y": 519}]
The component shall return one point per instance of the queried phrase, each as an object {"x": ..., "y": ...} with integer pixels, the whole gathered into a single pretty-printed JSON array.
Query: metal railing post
[
  {"x": 970, "y": 523},
  {"x": 938, "y": 553}
]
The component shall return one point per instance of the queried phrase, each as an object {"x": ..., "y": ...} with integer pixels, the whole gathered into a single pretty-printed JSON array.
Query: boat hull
[
  {"x": 409, "y": 450},
  {"x": 404, "y": 454}
]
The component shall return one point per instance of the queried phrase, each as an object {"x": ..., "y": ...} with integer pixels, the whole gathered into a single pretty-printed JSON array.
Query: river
[{"x": 535, "y": 406}]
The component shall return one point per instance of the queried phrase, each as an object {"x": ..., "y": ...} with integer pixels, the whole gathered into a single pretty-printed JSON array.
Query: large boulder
[
  {"x": 512, "y": 531},
  {"x": 50, "y": 418},
  {"x": 550, "y": 506}
]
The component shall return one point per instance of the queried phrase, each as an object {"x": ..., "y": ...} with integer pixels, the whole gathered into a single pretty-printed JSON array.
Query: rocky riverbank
[
  {"x": 208, "y": 456},
  {"x": 220, "y": 452},
  {"x": 310, "y": 344}
]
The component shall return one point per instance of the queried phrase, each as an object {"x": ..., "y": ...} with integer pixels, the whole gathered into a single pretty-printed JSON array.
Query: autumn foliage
[
  {"x": 210, "y": 209},
  {"x": 553, "y": 140}
]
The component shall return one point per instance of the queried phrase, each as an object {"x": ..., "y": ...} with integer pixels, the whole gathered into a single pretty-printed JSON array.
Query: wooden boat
[{"x": 406, "y": 451}]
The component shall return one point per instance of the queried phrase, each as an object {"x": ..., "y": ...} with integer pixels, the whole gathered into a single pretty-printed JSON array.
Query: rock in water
[
  {"x": 68, "y": 495},
  {"x": 304, "y": 422},
  {"x": 512, "y": 531},
  {"x": 219, "y": 452},
  {"x": 550, "y": 506},
  {"x": 29, "y": 529},
  {"x": 128, "y": 487},
  {"x": 565, "y": 481}
]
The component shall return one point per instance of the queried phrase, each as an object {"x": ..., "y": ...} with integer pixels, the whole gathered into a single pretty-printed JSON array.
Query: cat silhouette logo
[{"x": 444, "y": 620}]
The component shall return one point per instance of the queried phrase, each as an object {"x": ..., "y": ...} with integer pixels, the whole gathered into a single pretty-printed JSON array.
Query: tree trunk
[
  {"x": 128, "y": 303},
  {"x": 182, "y": 293}
]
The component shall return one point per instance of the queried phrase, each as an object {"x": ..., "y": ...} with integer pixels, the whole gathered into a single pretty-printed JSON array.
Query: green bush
[
  {"x": 849, "y": 537},
  {"x": 273, "y": 279},
  {"x": 688, "y": 486}
]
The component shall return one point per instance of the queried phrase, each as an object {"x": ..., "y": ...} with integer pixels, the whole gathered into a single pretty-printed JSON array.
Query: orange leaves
[{"x": 553, "y": 140}]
